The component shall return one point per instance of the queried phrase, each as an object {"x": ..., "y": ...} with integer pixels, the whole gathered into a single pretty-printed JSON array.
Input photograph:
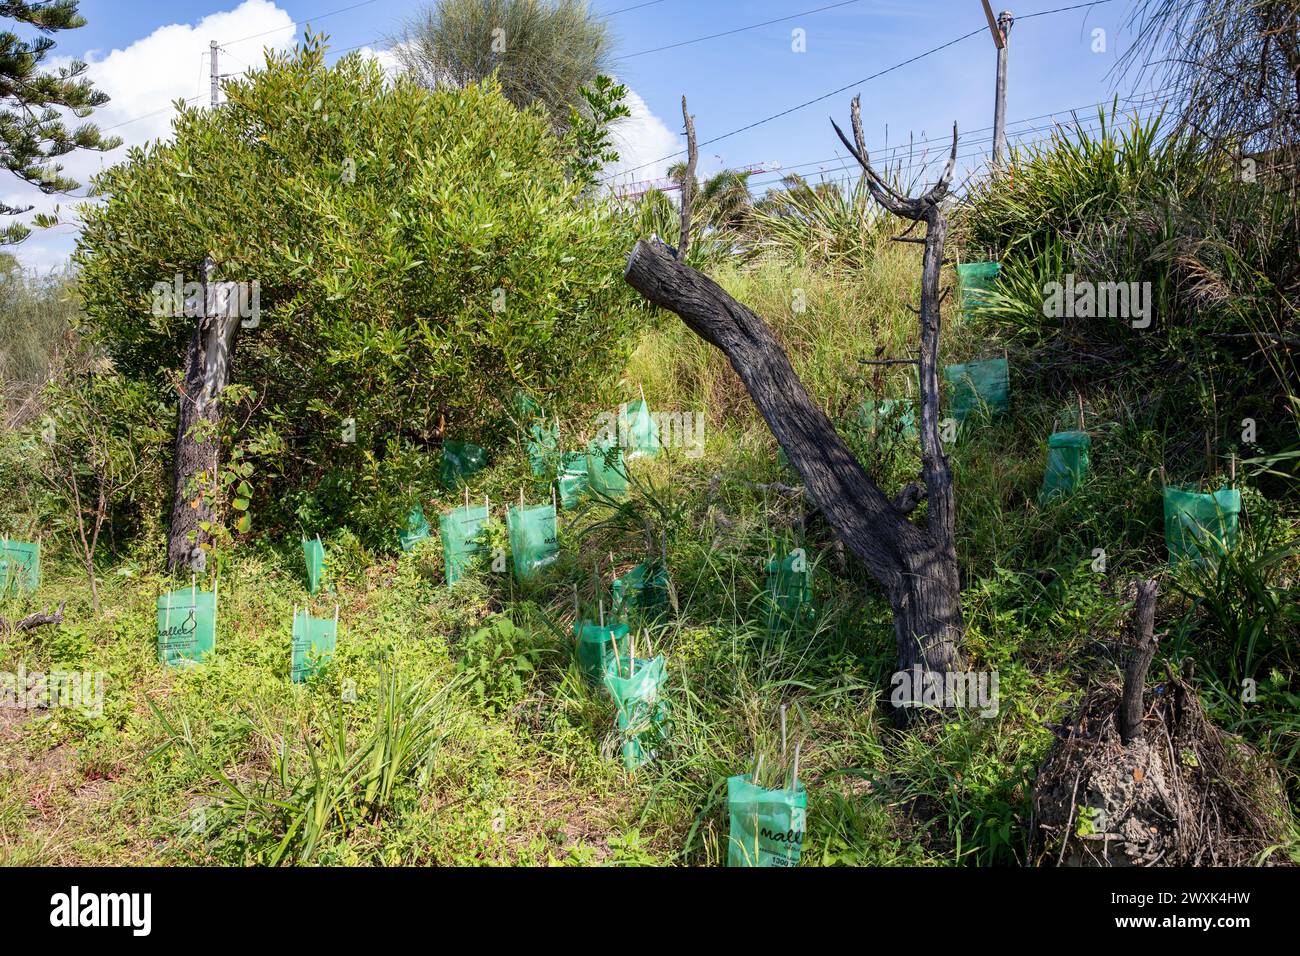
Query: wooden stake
[
  {"x": 794, "y": 777},
  {"x": 758, "y": 770},
  {"x": 1080, "y": 395},
  {"x": 783, "y": 731}
]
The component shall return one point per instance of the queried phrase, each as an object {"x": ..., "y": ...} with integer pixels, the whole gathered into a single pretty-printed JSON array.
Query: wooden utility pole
[
  {"x": 214, "y": 74},
  {"x": 1001, "y": 30}
]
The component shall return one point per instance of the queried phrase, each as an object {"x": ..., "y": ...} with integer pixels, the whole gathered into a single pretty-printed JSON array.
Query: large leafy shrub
[
  {"x": 420, "y": 255},
  {"x": 1131, "y": 202}
]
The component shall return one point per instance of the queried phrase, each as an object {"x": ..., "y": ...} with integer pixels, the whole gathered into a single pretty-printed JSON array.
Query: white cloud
[
  {"x": 142, "y": 81},
  {"x": 642, "y": 140},
  {"x": 386, "y": 57}
]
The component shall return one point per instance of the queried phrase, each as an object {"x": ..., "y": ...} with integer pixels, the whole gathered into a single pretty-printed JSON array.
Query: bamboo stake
[
  {"x": 1080, "y": 397},
  {"x": 758, "y": 769},
  {"x": 794, "y": 777}
]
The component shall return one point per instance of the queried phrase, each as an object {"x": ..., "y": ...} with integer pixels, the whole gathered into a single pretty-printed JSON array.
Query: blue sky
[{"x": 146, "y": 53}]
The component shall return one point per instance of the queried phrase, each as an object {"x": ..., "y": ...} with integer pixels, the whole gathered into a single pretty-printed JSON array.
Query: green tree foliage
[
  {"x": 33, "y": 132},
  {"x": 590, "y": 139},
  {"x": 420, "y": 255},
  {"x": 540, "y": 52}
]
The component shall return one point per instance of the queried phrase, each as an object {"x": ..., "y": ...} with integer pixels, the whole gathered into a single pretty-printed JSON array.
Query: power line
[
  {"x": 649, "y": 3},
  {"x": 612, "y": 13},
  {"x": 1145, "y": 99},
  {"x": 146, "y": 116},
  {"x": 807, "y": 103},
  {"x": 752, "y": 26},
  {"x": 1077, "y": 6},
  {"x": 843, "y": 89},
  {"x": 296, "y": 23}
]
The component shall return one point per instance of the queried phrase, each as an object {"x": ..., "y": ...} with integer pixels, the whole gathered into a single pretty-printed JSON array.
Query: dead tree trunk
[
  {"x": 916, "y": 566},
  {"x": 1135, "y": 674},
  {"x": 198, "y": 444}
]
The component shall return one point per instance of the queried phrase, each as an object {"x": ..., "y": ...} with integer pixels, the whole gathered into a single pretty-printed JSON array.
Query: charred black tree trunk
[
  {"x": 916, "y": 566},
  {"x": 198, "y": 421}
]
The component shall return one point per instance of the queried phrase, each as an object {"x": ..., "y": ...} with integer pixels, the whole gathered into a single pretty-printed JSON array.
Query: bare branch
[
  {"x": 688, "y": 182},
  {"x": 33, "y": 620}
]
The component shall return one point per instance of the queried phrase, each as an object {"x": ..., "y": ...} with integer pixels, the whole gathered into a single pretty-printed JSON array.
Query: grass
[{"x": 453, "y": 726}]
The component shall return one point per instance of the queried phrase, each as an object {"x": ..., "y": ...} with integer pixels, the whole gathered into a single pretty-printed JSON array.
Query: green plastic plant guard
[
  {"x": 417, "y": 528},
  {"x": 460, "y": 459},
  {"x": 526, "y": 407},
  {"x": 543, "y": 449},
  {"x": 977, "y": 280},
  {"x": 20, "y": 566},
  {"x": 606, "y": 473},
  {"x": 1193, "y": 520},
  {"x": 643, "y": 588},
  {"x": 635, "y": 686},
  {"x": 460, "y": 532},
  {"x": 638, "y": 425},
  {"x": 789, "y": 583},
  {"x": 598, "y": 645},
  {"x": 878, "y": 416},
  {"x": 314, "y": 641},
  {"x": 572, "y": 478},
  {"x": 313, "y": 553},
  {"x": 978, "y": 384},
  {"x": 1067, "y": 463},
  {"x": 533, "y": 542},
  {"x": 187, "y": 626},
  {"x": 767, "y": 826}
]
